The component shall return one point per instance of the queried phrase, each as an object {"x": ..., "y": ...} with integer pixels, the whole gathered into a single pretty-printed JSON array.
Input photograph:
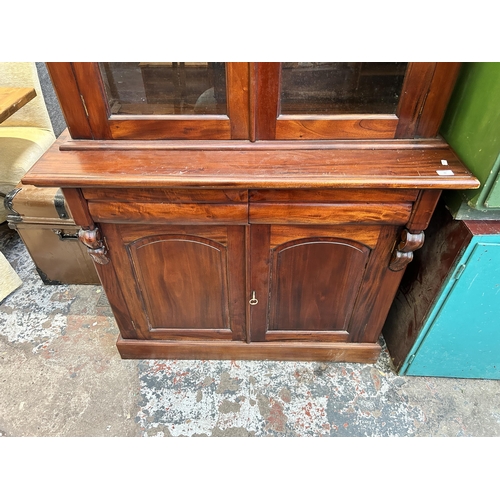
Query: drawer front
[
  {"x": 168, "y": 206},
  {"x": 169, "y": 213},
  {"x": 329, "y": 213},
  {"x": 331, "y": 206},
  {"x": 333, "y": 195},
  {"x": 212, "y": 206},
  {"x": 162, "y": 195}
]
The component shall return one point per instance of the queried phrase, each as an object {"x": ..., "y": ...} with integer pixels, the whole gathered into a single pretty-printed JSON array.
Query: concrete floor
[{"x": 61, "y": 375}]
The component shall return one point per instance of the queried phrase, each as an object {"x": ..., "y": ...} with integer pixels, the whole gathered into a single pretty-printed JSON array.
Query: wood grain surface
[
  {"x": 14, "y": 98},
  {"x": 279, "y": 351},
  {"x": 303, "y": 221},
  {"x": 249, "y": 169}
]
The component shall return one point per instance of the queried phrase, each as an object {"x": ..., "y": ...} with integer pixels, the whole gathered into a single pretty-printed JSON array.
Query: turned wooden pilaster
[
  {"x": 402, "y": 254},
  {"x": 91, "y": 238}
]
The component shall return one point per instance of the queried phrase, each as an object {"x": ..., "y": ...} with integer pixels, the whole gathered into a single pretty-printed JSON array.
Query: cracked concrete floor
[{"x": 61, "y": 375}]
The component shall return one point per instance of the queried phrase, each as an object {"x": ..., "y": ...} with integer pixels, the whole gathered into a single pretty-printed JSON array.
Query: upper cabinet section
[{"x": 253, "y": 101}]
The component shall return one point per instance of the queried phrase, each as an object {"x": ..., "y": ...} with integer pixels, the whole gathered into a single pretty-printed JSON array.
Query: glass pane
[
  {"x": 341, "y": 88},
  {"x": 165, "y": 88}
]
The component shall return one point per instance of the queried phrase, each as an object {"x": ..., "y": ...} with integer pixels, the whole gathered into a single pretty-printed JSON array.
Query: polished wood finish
[
  {"x": 92, "y": 94},
  {"x": 267, "y": 88},
  {"x": 176, "y": 127},
  {"x": 241, "y": 145},
  {"x": 329, "y": 213},
  {"x": 238, "y": 83},
  {"x": 387, "y": 283},
  {"x": 306, "y": 335},
  {"x": 332, "y": 195},
  {"x": 113, "y": 288},
  {"x": 319, "y": 287},
  {"x": 222, "y": 196},
  {"x": 284, "y": 248},
  {"x": 253, "y": 91},
  {"x": 14, "y": 98},
  {"x": 443, "y": 82},
  {"x": 415, "y": 88},
  {"x": 403, "y": 253},
  {"x": 336, "y": 127},
  {"x": 107, "y": 274},
  {"x": 247, "y": 169},
  {"x": 172, "y": 300},
  {"x": 413, "y": 117},
  {"x": 87, "y": 102},
  {"x": 372, "y": 299},
  {"x": 282, "y": 239},
  {"x": 366, "y": 235},
  {"x": 79, "y": 208},
  {"x": 428, "y": 97},
  {"x": 91, "y": 238},
  {"x": 187, "y": 279},
  {"x": 259, "y": 273},
  {"x": 74, "y": 111},
  {"x": 177, "y": 213},
  {"x": 314, "y": 284},
  {"x": 424, "y": 207},
  {"x": 280, "y": 351}
]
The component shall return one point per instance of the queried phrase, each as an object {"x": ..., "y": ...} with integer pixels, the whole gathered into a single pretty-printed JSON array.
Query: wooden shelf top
[{"x": 383, "y": 164}]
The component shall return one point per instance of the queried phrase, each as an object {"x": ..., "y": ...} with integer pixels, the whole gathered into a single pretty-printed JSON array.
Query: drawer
[
  {"x": 333, "y": 195},
  {"x": 331, "y": 206},
  {"x": 169, "y": 213},
  {"x": 329, "y": 213},
  {"x": 163, "y": 195},
  {"x": 168, "y": 206},
  {"x": 268, "y": 206}
]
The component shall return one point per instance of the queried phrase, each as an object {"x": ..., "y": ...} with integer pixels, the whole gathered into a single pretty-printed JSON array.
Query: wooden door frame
[
  {"x": 425, "y": 94},
  {"x": 81, "y": 91},
  {"x": 370, "y": 304},
  {"x": 121, "y": 253}
]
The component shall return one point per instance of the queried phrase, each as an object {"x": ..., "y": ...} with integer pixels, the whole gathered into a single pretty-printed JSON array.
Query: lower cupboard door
[
  {"x": 181, "y": 282},
  {"x": 307, "y": 284}
]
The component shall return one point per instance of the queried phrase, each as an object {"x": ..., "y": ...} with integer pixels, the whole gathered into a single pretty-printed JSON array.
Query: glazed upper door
[
  {"x": 148, "y": 100},
  {"x": 325, "y": 100},
  {"x": 253, "y": 101}
]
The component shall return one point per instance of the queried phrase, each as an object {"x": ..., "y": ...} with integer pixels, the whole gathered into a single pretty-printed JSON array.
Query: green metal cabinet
[{"x": 472, "y": 128}]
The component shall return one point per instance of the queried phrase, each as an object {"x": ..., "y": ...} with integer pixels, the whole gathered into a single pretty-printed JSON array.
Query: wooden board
[
  {"x": 253, "y": 169},
  {"x": 280, "y": 351},
  {"x": 14, "y": 98}
]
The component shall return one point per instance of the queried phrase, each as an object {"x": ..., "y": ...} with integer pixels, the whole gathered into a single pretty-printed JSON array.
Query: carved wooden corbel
[
  {"x": 403, "y": 252},
  {"x": 91, "y": 238}
]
